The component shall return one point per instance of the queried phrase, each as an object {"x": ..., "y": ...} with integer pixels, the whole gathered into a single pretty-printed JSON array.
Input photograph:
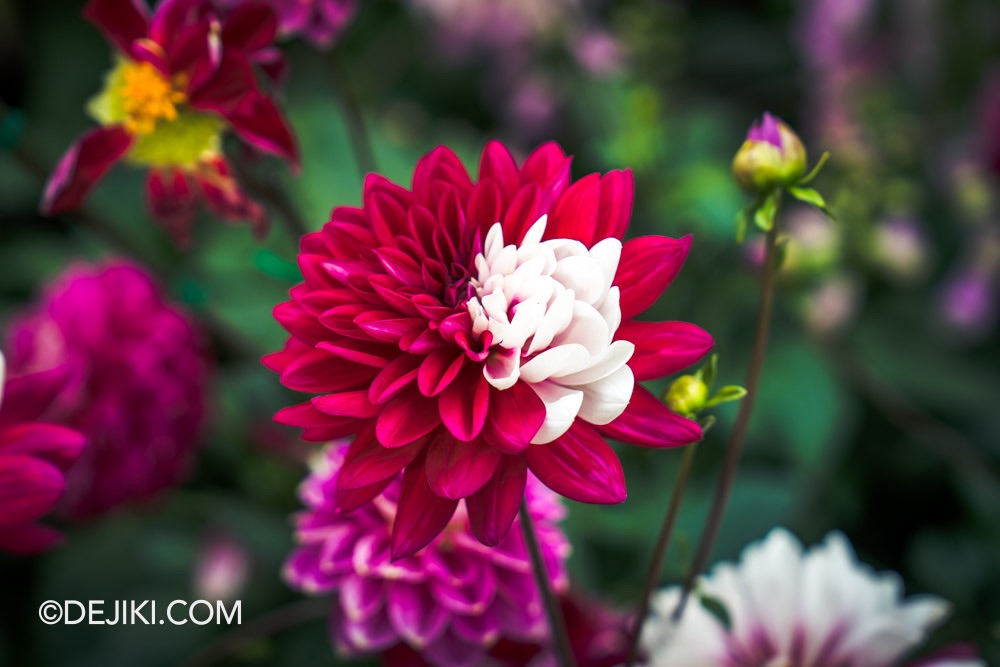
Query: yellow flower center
[
  {"x": 148, "y": 97},
  {"x": 168, "y": 132}
]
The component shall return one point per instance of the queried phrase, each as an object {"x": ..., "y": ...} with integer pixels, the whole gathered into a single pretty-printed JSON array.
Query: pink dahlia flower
[
  {"x": 34, "y": 457},
  {"x": 183, "y": 74},
  {"x": 468, "y": 331},
  {"x": 450, "y": 602},
  {"x": 320, "y": 22},
  {"x": 136, "y": 384},
  {"x": 787, "y": 606}
]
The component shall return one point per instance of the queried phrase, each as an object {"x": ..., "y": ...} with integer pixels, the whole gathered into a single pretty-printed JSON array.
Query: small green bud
[
  {"x": 771, "y": 157},
  {"x": 687, "y": 395}
]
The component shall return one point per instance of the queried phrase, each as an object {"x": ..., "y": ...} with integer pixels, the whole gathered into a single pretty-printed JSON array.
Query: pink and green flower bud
[
  {"x": 771, "y": 157},
  {"x": 687, "y": 395}
]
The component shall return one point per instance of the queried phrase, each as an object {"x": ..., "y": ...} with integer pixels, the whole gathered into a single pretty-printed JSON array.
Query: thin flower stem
[
  {"x": 275, "y": 195},
  {"x": 271, "y": 623},
  {"x": 560, "y": 637},
  {"x": 660, "y": 552},
  {"x": 735, "y": 447},
  {"x": 357, "y": 130}
]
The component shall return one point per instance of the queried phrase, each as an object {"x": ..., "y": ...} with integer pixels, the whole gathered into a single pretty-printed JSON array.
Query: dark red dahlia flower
[
  {"x": 467, "y": 331},
  {"x": 34, "y": 457},
  {"x": 182, "y": 76}
]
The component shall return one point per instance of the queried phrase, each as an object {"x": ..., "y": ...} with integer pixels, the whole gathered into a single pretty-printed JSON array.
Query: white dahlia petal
[
  {"x": 553, "y": 302},
  {"x": 781, "y": 600},
  {"x": 562, "y": 404}
]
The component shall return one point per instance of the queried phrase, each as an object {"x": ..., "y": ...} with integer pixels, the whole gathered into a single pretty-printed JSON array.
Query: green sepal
[
  {"x": 808, "y": 178},
  {"x": 727, "y": 394},
  {"x": 764, "y": 216},
  {"x": 707, "y": 372},
  {"x": 811, "y": 197},
  {"x": 716, "y": 608}
]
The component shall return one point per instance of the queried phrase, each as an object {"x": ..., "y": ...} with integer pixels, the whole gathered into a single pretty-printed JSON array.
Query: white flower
[
  {"x": 792, "y": 608},
  {"x": 553, "y": 313}
]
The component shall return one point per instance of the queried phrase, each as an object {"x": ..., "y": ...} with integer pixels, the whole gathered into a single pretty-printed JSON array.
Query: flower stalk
[
  {"x": 660, "y": 552},
  {"x": 557, "y": 623},
  {"x": 357, "y": 129},
  {"x": 735, "y": 446}
]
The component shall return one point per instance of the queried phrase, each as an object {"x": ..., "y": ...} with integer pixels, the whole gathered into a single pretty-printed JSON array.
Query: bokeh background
[{"x": 880, "y": 406}]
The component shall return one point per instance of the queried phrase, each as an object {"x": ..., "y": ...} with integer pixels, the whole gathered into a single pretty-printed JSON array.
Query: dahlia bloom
[
  {"x": 785, "y": 606},
  {"x": 468, "y": 331},
  {"x": 450, "y": 602},
  {"x": 136, "y": 384},
  {"x": 320, "y": 22},
  {"x": 182, "y": 76},
  {"x": 34, "y": 457}
]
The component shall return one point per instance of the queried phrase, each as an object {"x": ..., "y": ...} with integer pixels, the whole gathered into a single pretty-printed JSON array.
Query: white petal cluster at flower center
[{"x": 553, "y": 313}]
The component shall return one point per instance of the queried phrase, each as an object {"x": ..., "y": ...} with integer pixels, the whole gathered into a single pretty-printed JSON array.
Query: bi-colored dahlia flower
[
  {"x": 451, "y": 602},
  {"x": 320, "y": 22},
  {"x": 34, "y": 457},
  {"x": 136, "y": 385},
  {"x": 182, "y": 76},
  {"x": 786, "y": 606},
  {"x": 468, "y": 331}
]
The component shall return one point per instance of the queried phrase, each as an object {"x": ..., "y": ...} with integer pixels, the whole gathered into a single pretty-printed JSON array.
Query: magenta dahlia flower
[
  {"x": 136, "y": 385},
  {"x": 320, "y": 22},
  {"x": 468, "y": 331},
  {"x": 34, "y": 457},
  {"x": 451, "y": 601},
  {"x": 182, "y": 76}
]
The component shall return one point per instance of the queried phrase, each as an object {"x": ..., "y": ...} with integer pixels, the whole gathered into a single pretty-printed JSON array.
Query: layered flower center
[
  {"x": 552, "y": 312},
  {"x": 149, "y": 97}
]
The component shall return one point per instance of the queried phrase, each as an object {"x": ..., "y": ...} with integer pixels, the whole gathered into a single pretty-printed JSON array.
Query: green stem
[
  {"x": 735, "y": 447},
  {"x": 357, "y": 129},
  {"x": 557, "y": 623},
  {"x": 274, "y": 195},
  {"x": 660, "y": 552}
]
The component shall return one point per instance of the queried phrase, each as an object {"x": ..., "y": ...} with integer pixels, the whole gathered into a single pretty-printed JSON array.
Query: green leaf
[
  {"x": 811, "y": 197},
  {"x": 727, "y": 394},
  {"x": 764, "y": 217}
]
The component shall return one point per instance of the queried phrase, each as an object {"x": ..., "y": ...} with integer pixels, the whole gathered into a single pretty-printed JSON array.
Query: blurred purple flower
[
  {"x": 467, "y": 27},
  {"x": 451, "y": 601},
  {"x": 829, "y": 31},
  {"x": 598, "y": 52},
  {"x": 136, "y": 384},
  {"x": 968, "y": 302},
  {"x": 320, "y": 22}
]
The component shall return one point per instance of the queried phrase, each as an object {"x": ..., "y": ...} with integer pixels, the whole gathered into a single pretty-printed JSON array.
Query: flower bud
[
  {"x": 687, "y": 395},
  {"x": 771, "y": 157}
]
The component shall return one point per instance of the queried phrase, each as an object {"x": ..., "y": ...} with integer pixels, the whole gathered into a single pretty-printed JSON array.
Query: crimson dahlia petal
[
  {"x": 83, "y": 166},
  {"x": 470, "y": 329}
]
